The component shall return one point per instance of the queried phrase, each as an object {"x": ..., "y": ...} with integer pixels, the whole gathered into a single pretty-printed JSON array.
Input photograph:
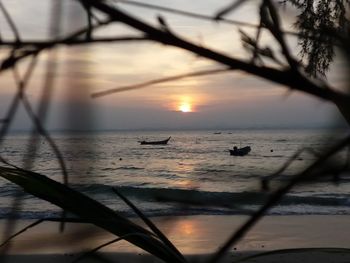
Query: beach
[{"x": 325, "y": 236}]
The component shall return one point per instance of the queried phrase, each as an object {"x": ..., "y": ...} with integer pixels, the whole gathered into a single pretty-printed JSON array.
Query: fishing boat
[
  {"x": 155, "y": 142},
  {"x": 240, "y": 151}
]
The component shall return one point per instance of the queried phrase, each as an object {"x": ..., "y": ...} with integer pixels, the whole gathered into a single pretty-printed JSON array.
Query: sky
[{"x": 221, "y": 101}]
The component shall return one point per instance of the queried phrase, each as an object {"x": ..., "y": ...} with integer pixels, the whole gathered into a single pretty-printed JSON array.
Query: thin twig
[
  {"x": 265, "y": 180},
  {"x": 257, "y": 39},
  {"x": 16, "y": 202},
  {"x": 42, "y": 131},
  {"x": 21, "y": 231},
  {"x": 228, "y": 9},
  {"x": 158, "y": 81},
  {"x": 92, "y": 251},
  {"x": 275, "y": 198},
  {"x": 71, "y": 42},
  {"x": 39, "y": 221},
  {"x": 206, "y": 17},
  {"x": 275, "y": 28},
  {"x": 12, "y": 109},
  {"x": 12, "y": 60},
  {"x": 182, "y": 12},
  {"x": 10, "y": 22}
]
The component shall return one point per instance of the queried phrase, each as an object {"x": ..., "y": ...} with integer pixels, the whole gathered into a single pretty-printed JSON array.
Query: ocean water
[{"x": 193, "y": 174}]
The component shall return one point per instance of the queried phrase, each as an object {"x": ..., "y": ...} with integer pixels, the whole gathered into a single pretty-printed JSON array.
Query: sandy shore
[{"x": 195, "y": 235}]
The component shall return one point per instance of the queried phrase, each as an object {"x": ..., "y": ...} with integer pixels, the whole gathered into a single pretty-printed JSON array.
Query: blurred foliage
[{"x": 318, "y": 22}]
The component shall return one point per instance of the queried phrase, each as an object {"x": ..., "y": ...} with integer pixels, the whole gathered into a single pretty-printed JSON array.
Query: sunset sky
[{"x": 225, "y": 100}]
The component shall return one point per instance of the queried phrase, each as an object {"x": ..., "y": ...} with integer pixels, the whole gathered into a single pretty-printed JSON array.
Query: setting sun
[{"x": 185, "y": 107}]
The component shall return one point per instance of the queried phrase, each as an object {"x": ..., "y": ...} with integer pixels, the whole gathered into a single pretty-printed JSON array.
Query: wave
[
  {"x": 155, "y": 201},
  {"x": 122, "y": 168},
  {"x": 222, "y": 199},
  {"x": 211, "y": 170},
  {"x": 228, "y": 199},
  {"x": 145, "y": 192}
]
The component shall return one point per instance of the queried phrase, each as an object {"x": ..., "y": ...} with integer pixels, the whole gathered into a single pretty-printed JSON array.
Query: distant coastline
[{"x": 213, "y": 129}]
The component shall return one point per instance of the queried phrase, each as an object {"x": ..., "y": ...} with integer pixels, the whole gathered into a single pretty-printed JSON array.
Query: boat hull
[
  {"x": 240, "y": 152},
  {"x": 163, "y": 142}
]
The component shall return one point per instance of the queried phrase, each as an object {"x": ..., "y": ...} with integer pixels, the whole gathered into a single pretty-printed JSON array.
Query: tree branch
[
  {"x": 275, "y": 198},
  {"x": 287, "y": 77},
  {"x": 13, "y": 59},
  {"x": 157, "y": 81}
]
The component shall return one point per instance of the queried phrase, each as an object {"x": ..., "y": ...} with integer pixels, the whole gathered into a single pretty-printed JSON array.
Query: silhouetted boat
[
  {"x": 155, "y": 142},
  {"x": 241, "y": 151}
]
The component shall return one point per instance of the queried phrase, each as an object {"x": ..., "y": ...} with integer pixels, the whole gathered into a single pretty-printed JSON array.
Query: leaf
[{"x": 89, "y": 210}]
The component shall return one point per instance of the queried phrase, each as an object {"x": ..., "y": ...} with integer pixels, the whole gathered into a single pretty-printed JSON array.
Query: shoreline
[
  {"x": 196, "y": 236},
  {"x": 321, "y": 255}
]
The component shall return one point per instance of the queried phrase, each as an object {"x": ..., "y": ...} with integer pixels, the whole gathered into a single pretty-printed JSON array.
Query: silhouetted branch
[
  {"x": 257, "y": 38},
  {"x": 70, "y": 42},
  {"x": 12, "y": 109},
  {"x": 21, "y": 231},
  {"x": 265, "y": 181},
  {"x": 89, "y": 21},
  {"x": 228, "y": 9},
  {"x": 9, "y": 62},
  {"x": 287, "y": 77},
  {"x": 274, "y": 27},
  {"x": 275, "y": 198},
  {"x": 207, "y": 17},
  {"x": 42, "y": 131},
  {"x": 10, "y": 22},
  {"x": 27, "y": 162},
  {"x": 158, "y": 81},
  {"x": 184, "y": 13},
  {"x": 92, "y": 251},
  {"x": 39, "y": 221}
]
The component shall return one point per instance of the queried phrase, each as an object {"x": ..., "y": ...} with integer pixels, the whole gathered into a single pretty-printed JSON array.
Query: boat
[
  {"x": 163, "y": 142},
  {"x": 241, "y": 151}
]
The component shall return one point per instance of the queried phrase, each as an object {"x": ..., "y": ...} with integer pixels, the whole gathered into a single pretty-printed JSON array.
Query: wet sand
[{"x": 194, "y": 235}]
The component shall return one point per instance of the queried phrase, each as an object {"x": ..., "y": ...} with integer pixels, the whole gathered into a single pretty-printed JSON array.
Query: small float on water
[
  {"x": 240, "y": 151},
  {"x": 163, "y": 142}
]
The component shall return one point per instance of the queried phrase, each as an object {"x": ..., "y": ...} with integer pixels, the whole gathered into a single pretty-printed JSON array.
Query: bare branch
[
  {"x": 275, "y": 198},
  {"x": 184, "y": 13},
  {"x": 158, "y": 81},
  {"x": 12, "y": 109},
  {"x": 10, "y": 22},
  {"x": 37, "y": 222},
  {"x": 275, "y": 28},
  {"x": 71, "y": 42},
  {"x": 12, "y": 60},
  {"x": 265, "y": 180},
  {"x": 286, "y": 77},
  {"x": 228, "y": 9},
  {"x": 205, "y": 17},
  {"x": 92, "y": 251}
]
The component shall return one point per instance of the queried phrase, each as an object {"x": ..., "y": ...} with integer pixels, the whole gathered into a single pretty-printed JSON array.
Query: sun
[{"x": 185, "y": 107}]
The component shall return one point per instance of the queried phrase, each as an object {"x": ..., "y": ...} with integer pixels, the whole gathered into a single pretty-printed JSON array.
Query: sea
[{"x": 193, "y": 174}]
